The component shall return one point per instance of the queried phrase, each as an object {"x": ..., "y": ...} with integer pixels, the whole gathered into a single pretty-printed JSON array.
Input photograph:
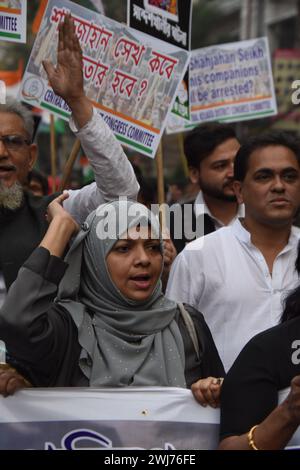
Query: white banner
[
  {"x": 13, "y": 17},
  {"x": 110, "y": 419},
  {"x": 134, "y": 418},
  {"x": 232, "y": 82},
  {"x": 132, "y": 78}
]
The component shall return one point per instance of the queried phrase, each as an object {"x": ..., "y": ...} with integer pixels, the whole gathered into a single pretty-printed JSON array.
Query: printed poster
[
  {"x": 232, "y": 82},
  {"x": 13, "y": 16},
  {"x": 170, "y": 21},
  {"x": 176, "y": 124},
  {"x": 286, "y": 67},
  {"x": 131, "y": 78}
]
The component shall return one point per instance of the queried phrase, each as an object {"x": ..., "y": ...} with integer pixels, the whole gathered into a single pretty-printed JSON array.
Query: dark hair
[
  {"x": 261, "y": 141},
  {"x": 147, "y": 192},
  {"x": 181, "y": 184},
  {"x": 292, "y": 302},
  {"x": 203, "y": 140},
  {"x": 41, "y": 178}
]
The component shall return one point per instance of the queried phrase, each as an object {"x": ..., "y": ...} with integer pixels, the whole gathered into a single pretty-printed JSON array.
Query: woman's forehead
[{"x": 145, "y": 232}]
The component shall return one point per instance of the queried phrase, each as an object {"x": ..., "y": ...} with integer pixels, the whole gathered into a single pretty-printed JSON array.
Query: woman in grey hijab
[{"x": 110, "y": 324}]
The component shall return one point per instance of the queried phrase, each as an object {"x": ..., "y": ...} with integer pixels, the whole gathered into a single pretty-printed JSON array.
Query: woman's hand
[
  {"x": 292, "y": 401},
  {"x": 11, "y": 381},
  {"x": 207, "y": 391},
  {"x": 66, "y": 78},
  {"x": 56, "y": 210},
  {"x": 169, "y": 255},
  {"x": 61, "y": 228},
  {"x": 170, "y": 252}
]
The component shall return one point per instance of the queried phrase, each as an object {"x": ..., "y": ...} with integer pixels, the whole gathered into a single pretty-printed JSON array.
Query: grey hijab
[{"x": 124, "y": 342}]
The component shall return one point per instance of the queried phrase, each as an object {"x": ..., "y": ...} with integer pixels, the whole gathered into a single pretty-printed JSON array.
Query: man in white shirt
[
  {"x": 22, "y": 215},
  {"x": 238, "y": 276},
  {"x": 210, "y": 150}
]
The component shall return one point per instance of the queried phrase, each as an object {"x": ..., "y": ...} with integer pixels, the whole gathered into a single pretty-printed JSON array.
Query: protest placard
[
  {"x": 131, "y": 78},
  {"x": 286, "y": 66},
  {"x": 232, "y": 82},
  {"x": 177, "y": 124},
  {"x": 170, "y": 21},
  {"x": 13, "y": 15}
]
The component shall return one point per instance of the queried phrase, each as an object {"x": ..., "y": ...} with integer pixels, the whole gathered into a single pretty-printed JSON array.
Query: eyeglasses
[{"x": 14, "y": 142}]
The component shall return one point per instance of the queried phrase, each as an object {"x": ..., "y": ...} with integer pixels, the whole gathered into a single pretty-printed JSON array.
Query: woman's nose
[{"x": 142, "y": 256}]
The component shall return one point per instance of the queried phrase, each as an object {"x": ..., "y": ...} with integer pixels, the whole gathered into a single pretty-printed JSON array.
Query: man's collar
[
  {"x": 244, "y": 235},
  {"x": 240, "y": 232},
  {"x": 200, "y": 208}
]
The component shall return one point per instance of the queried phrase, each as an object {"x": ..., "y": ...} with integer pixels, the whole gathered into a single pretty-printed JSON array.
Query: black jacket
[
  {"x": 183, "y": 225},
  {"x": 21, "y": 232}
]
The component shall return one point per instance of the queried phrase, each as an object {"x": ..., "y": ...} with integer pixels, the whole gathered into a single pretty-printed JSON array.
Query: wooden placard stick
[
  {"x": 53, "y": 152},
  {"x": 182, "y": 155},
  {"x": 69, "y": 164},
  {"x": 160, "y": 185}
]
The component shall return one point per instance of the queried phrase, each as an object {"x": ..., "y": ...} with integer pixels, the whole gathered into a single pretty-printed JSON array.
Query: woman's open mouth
[{"x": 141, "y": 281}]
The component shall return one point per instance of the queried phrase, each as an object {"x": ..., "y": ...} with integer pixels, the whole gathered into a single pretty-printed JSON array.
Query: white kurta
[{"x": 224, "y": 276}]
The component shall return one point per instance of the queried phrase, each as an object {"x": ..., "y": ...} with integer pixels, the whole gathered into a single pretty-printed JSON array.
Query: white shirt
[
  {"x": 200, "y": 208},
  {"x": 113, "y": 173},
  {"x": 224, "y": 276}
]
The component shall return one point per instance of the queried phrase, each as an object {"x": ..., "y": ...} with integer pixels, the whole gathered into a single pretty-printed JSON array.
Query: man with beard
[
  {"x": 239, "y": 275},
  {"x": 22, "y": 215},
  {"x": 210, "y": 150}
]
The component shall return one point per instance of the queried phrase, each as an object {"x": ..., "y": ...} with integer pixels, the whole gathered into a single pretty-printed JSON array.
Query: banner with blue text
[
  {"x": 105, "y": 419},
  {"x": 152, "y": 418}
]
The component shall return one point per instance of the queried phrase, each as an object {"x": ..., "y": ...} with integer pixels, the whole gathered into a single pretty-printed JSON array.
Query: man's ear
[
  {"x": 194, "y": 175},
  {"x": 237, "y": 187},
  {"x": 33, "y": 151}
]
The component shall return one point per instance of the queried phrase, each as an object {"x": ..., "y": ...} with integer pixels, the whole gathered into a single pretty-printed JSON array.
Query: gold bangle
[{"x": 250, "y": 436}]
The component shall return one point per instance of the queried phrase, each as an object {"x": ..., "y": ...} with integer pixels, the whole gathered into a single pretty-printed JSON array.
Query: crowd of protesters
[{"x": 81, "y": 297}]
